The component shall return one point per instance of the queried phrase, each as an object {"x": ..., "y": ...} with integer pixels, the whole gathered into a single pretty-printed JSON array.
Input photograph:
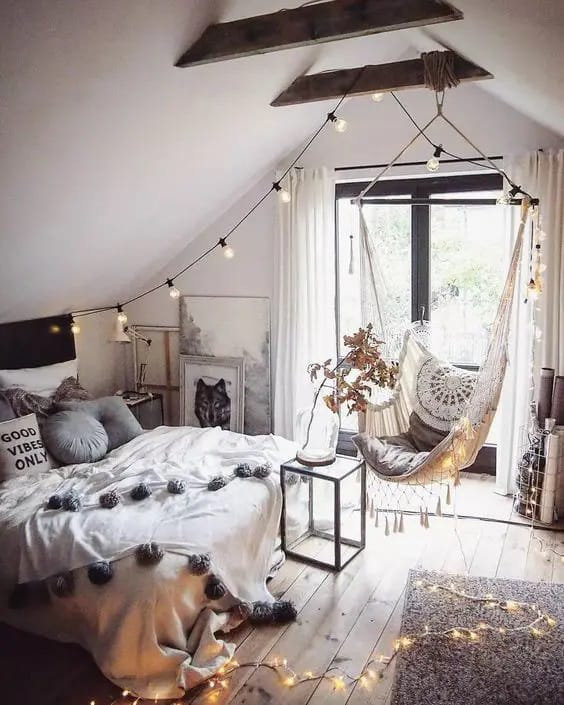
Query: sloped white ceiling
[{"x": 112, "y": 160}]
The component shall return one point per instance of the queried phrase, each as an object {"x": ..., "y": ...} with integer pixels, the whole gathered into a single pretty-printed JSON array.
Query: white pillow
[
  {"x": 39, "y": 380},
  {"x": 21, "y": 448}
]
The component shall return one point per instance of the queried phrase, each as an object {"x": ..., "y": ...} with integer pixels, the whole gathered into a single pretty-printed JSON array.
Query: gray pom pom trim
[
  {"x": 176, "y": 486},
  {"x": 242, "y": 611},
  {"x": 55, "y": 502},
  {"x": 62, "y": 585},
  {"x": 216, "y": 483},
  {"x": 292, "y": 478},
  {"x": 140, "y": 491},
  {"x": 215, "y": 589},
  {"x": 100, "y": 573},
  {"x": 199, "y": 563},
  {"x": 262, "y": 471},
  {"x": 243, "y": 470},
  {"x": 278, "y": 612},
  {"x": 110, "y": 499},
  {"x": 71, "y": 502},
  {"x": 149, "y": 553}
]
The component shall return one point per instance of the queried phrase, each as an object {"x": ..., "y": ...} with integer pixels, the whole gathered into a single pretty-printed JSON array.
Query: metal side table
[{"x": 343, "y": 468}]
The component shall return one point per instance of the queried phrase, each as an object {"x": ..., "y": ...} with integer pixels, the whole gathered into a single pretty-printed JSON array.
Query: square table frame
[{"x": 312, "y": 473}]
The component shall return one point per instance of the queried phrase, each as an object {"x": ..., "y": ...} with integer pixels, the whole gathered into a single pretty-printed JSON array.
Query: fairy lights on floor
[{"x": 537, "y": 623}]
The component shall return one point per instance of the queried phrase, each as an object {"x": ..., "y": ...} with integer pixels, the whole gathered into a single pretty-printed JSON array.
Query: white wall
[
  {"x": 376, "y": 132},
  {"x": 100, "y": 362}
]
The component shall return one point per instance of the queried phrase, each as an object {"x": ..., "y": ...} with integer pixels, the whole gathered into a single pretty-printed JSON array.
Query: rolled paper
[
  {"x": 395, "y": 527},
  {"x": 544, "y": 397},
  {"x": 387, "y": 527},
  {"x": 548, "y": 495},
  {"x": 557, "y": 411},
  {"x": 401, "y": 523},
  {"x": 448, "y": 500},
  {"x": 439, "y": 510},
  {"x": 376, "y": 518}
]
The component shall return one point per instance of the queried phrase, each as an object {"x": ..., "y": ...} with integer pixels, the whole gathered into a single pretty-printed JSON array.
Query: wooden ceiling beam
[
  {"x": 374, "y": 79},
  {"x": 313, "y": 24}
]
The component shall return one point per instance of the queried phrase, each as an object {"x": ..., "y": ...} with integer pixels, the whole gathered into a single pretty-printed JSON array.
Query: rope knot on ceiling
[{"x": 438, "y": 70}]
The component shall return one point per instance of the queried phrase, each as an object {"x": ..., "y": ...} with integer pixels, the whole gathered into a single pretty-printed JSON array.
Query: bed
[{"x": 146, "y": 584}]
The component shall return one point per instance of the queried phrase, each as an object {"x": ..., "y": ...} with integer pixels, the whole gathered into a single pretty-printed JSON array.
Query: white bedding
[{"x": 150, "y": 629}]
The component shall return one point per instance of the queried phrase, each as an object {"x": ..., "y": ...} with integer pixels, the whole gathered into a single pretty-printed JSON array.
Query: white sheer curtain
[
  {"x": 306, "y": 290},
  {"x": 542, "y": 175}
]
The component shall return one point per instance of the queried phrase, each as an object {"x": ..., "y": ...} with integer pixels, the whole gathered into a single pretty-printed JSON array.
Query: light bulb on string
[
  {"x": 377, "y": 97},
  {"x": 75, "y": 328},
  {"x": 340, "y": 124},
  {"x": 283, "y": 194},
  {"x": 173, "y": 292},
  {"x": 121, "y": 315},
  {"x": 228, "y": 251},
  {"x": 434, "y": 162}
]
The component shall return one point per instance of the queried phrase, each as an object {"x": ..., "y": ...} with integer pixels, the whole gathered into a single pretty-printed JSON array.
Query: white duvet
[{"x": 150, "y": 629}]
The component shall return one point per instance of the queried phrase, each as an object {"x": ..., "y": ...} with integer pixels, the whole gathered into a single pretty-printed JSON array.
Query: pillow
[
  {"x": 39, "y": 380},
  {"x": 442, "y": 392},
  {"x": 112, "y": 412},
  {"x": 6, "y": 411},
  {"x": 393, "y": 456},
  {"x": 23, "y": 403},
  {"x": 74, "y": 437},
  {"x": 21, "y": 448}
]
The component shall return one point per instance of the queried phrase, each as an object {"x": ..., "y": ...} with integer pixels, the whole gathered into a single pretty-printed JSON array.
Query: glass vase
[{"x": 317, "y": 434}]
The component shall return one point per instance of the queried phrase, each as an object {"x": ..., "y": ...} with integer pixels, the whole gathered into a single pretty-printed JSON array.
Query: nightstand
[
  {"x": 343, "y": 469},
  {"x": 147, "y": 408}
]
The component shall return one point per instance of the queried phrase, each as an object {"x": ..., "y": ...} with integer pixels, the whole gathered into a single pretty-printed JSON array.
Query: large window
[{"x": 442, "y": 246}]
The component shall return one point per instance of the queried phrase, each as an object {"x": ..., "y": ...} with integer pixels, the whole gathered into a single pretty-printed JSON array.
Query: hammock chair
[{"x": 438, "y": 416}]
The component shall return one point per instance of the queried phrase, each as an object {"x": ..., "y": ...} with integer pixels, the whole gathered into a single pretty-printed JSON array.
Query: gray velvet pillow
[
  {"x": 112, "y": 412},
  {"x": 74, "y": 437}
]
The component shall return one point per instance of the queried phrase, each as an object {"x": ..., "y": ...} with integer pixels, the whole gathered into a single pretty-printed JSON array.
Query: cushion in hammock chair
[
  {"x": 440, "y": 395},
  {"x": 393, "y": 456}
]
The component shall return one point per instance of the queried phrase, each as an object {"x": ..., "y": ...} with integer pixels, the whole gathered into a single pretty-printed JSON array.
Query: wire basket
[{"x": 530, "y": 477}]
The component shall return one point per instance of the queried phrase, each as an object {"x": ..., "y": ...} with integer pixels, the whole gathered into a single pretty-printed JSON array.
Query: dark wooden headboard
[{"x": 42, "y": 341}]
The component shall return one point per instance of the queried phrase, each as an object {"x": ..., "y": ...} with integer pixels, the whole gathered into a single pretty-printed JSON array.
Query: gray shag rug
[{"x": 508, "y": 669}]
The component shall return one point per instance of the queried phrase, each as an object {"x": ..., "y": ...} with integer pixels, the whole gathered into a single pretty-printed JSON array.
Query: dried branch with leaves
[{"x": 354, "y": 377}]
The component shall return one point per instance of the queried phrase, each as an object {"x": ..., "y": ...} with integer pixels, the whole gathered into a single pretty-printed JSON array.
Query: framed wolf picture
[
  {"x": 235, "y": 327},
  {"x": 212, "y": 392}
]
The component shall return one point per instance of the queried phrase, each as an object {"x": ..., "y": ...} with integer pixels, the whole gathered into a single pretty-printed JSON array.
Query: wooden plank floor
[{"x": 345, "y": 619}]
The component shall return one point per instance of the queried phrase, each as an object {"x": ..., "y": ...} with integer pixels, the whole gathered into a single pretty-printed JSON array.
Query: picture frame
[
  {"x": 212, "y": 392},
  {"x": 234, "y": 326}
]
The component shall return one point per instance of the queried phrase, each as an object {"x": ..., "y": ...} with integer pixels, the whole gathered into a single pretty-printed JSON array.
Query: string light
[
  {"x": 340, "y": 124},
  {"x": 283, "y": 194},
  {"x": 434, "y": 162},
  {"x": 75, "y": 328},
  {"x": 377, "y": 97},
  {"x": 538, "y": 627},
  {"x": 121, "y": 315},
  {"x": 228, "y": 251},
  {"x": 173, "y": 292}
]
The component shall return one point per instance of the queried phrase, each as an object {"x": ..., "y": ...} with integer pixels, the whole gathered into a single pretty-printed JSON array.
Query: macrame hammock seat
[{"x": 459, "y": 405}]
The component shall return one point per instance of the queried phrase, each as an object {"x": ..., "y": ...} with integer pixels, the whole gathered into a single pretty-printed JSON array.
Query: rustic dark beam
[
  {"x": 373, "y": 79},
  {"x": 313, "y": 24}
]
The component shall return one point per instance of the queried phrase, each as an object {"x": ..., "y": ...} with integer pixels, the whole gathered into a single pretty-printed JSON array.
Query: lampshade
[{"x": 119, "y": 335}]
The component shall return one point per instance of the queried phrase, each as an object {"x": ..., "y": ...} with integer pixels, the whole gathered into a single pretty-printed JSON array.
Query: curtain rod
[{"x": 443, "y": 161}]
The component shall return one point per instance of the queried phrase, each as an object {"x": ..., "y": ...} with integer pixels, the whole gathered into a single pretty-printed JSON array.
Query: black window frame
[{"x": 419, "y": 192}]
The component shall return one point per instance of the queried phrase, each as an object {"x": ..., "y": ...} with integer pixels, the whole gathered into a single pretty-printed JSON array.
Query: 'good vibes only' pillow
[{"x": 21, "y": 448}]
